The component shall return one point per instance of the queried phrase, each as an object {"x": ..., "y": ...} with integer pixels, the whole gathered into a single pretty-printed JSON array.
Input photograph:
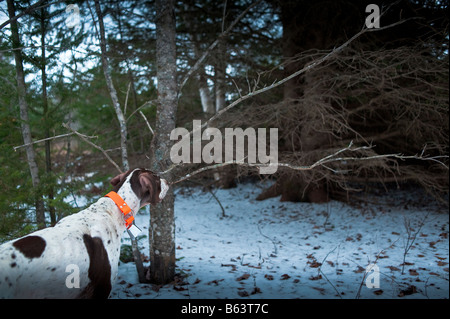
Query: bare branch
[
  {"x": 85, "y": 138},
  {"x": 140, "y": 107},
  {"x": 308, "y": 67},
  {"x": 126, "y": 99},
  {"x": 321, "y": 162},
  {"x": 48, "y": 139},
  {"x": 146, "y": 122},
  {"x": 111, "y": 88},
  {"x": 30, "y": 9}
]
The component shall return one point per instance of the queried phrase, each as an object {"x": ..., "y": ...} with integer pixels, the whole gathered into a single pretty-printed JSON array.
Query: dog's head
[{"x": 147, "y": 186}]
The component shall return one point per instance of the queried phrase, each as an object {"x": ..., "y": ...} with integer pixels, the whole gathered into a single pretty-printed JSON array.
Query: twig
[
  {"x": 84, "y": 138},
  {"x": 325, "y": 276},
  {"x": 411, "y": 238},
  {"x": 146, "y": 121},
  {"x": 275, "y": 250},
  {"x": 126, "y": 100},
  {"x": 213, "y": 195},
  {"x": 140, "y": 107}
]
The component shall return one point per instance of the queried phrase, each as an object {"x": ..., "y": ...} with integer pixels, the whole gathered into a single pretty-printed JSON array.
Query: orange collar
[{"x": 124, "y": 208}]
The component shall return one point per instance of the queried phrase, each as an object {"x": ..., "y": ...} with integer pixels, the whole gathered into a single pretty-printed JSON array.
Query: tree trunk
[
  {"x": 112, "y": 90},
  {"x": 205, "y": 94},
  {"x": 123, "y": 125},
  {"x": 220, "y": 68},
  {"x": 25, "y": 126},
  {"x": 302, "y": 32},
  {"x": 162, "y": 223},
  {"x": 46, "y": 117},
  {"x": 203, "y": 89}
]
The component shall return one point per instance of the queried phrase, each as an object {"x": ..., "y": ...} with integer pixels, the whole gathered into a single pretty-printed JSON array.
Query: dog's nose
[{"x": 164, "y": 188}]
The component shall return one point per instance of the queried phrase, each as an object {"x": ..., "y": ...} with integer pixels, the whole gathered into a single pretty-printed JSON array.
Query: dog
[{"x": 79, "y": 256}]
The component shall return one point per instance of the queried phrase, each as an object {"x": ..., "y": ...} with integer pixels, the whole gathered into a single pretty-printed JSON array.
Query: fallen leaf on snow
[
  {"x": 178, "y": 288},
  {"x": 243, "y": 277},
  {"x": 408, "y": 291},
  {"x": 393, "y": 268},
  {"x": 359, "y": 270},
  {"x": 268, "y": 277},
  {"x": 434, "y": 274},
  {"x": 256, "y": 290},
  {"x": 315, "y": 277},
  {"x": 413, "y": 272}
]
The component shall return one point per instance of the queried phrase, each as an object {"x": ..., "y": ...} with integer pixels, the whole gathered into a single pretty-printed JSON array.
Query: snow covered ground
[{"x": 272, "y": 249}]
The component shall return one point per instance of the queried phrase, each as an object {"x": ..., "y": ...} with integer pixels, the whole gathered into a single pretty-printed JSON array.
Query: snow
[{"x": 279, "y": 250}]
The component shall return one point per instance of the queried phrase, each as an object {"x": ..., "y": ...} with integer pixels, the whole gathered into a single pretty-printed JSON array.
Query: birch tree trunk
[
  {"x": 47, "y": 143},
  {"x": 162, "y": 223},
  {"x": 25, "y": 126},
  {"x": 203, "y": 89},
  {"x": 112, "y": 90},
  {"x": 220, "y": 67},
  {"x": 123, "y": 126}
]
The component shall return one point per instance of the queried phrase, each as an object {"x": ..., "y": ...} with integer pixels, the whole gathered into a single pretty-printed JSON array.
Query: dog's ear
[
  {"x": 119, "y": 178},
  {"x": 150, "y": 188}
]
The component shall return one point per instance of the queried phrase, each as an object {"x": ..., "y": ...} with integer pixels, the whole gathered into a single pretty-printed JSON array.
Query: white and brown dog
[{"x": 38, "y": 265}]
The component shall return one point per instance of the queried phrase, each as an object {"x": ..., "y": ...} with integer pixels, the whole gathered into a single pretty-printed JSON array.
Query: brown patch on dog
[
  {"x": 147, "y": 186},
  {"x": 118, "y": 181},
  {"x": 99, "y": 270},
  {"x": 144, "y": 183},
  {"x": 30, "y": 246}
]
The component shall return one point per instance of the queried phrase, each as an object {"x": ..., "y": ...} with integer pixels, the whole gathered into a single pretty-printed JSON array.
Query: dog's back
[{"x": 77, "y": 257}]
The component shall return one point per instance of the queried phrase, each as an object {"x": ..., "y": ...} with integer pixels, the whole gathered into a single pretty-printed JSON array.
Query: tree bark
[
  {"x": 162, "y": 223},
  {"x": 25, "y": 125},
  {"x": 46, "y": 117},
  {"x": 112, "y": 89},
  {"x": 220, "y": 68}
]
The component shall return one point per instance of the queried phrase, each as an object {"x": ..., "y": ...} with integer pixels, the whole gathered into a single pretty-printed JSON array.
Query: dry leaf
[
  {"x": 268, "y": 277},
  {"x": 243, "y": 277},
  {"x": 413, "y": 272}
]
